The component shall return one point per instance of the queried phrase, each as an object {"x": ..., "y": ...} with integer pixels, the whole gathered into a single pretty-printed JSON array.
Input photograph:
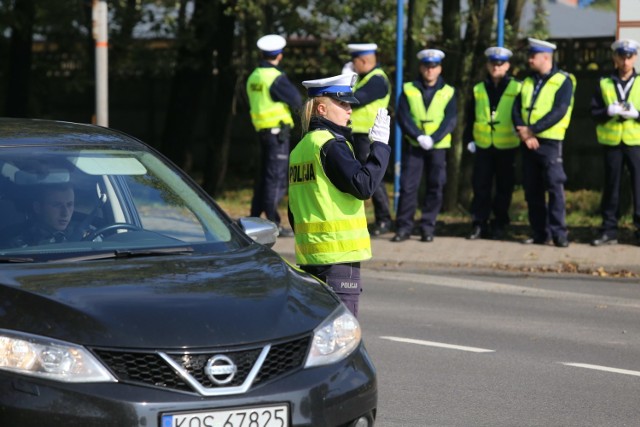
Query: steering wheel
[{"x": 110, "y": 229}]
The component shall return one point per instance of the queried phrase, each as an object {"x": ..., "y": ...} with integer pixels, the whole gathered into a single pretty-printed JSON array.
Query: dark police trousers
[
  {"x": 542, "y": 173},
  {"x": 344, "y": 279},
  {"x": 615, "y": 157},
  {"x": 415, "y": 160},
  {"x": 492, "y": 165},
  {"x": 380, "y": 199},
  {"x": 271, "y": 187}
]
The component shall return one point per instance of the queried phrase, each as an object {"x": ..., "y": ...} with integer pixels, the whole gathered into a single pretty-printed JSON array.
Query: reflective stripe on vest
[
  {"x": 265, "y": 112},
  {"x": 615, "y": 131},
  {"x": 428, "y": 120},
  {"x": 544, "y": 103},
  {"x": 496, "y": 130},
  {"x": 362, "y": 118},
  {"x": 330, "y": 225}
]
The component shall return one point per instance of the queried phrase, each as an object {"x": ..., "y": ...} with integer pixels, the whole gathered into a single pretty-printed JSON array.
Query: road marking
[
  {"x": 439, "y": 344},
  {"x": 603, "y": 368}
]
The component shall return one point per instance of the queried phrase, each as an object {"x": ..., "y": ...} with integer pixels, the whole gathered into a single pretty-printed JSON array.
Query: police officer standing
[
  {"x": 541, "y": 115},
  {"x": 373, "y": 92},
  {"x": 614, "y": 107},
  {"x": 328, "y": 186},
  {"x": 427, "y": 115},
  {"x": 272, "y": 98},
  {"x": 490, "y": 136}
]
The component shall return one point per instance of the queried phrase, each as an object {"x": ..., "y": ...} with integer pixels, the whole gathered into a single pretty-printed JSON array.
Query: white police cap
[
  {"x": 625, "y": 47},
  {"x": 433, "y": 56},
  {"x": 357, "y": 49},
  {"x": 536, "y": 46},
  {"x": 337, "y": 87},
  {"x": 498, "y": 54},
  {"x": 271, "y": 44}
]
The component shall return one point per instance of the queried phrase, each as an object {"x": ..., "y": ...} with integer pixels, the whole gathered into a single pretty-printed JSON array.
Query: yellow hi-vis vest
[
  {"x": 614, "y": 130},
  {"x": 544, "y": 103},
  {"x": 496, "y": 129},
  {"x": 265, "y": 112},
  {"x": 428, "y": 120},
  {"x": 362, "y": 118},
  {"x": 330, "y": 225}
]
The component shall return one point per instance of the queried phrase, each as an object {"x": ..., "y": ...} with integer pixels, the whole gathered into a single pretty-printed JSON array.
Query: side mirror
[{"x": 261, "y": 230}]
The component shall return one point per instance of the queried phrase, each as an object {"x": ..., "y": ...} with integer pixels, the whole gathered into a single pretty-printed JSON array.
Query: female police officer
[{"x": 328, "y": 186}]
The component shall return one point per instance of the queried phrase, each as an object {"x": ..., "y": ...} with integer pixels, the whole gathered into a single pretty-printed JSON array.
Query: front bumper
[{"x": 333, "y": 395}]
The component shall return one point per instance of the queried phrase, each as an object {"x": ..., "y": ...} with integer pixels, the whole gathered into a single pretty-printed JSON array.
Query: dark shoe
[
  {"x": 604, "y": 239},
  {"x": 498, "y": 233},
  {"x": 400, "y": 237},
  {"x": 561, "y": 241},
  {"x": 379, "y": 228},
  {"x": 425, "y": 236},
  {"x": 285, "y": 232},
  {"x": 536, "y": 241},
  {"x": 476, "y": 233}
]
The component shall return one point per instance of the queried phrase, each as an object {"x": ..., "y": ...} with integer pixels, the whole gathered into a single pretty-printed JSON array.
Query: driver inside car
[{"x": 51, "y": 221}]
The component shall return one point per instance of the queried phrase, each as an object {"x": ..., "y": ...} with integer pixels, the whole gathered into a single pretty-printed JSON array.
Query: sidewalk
[{"x": 622, "y": 260}]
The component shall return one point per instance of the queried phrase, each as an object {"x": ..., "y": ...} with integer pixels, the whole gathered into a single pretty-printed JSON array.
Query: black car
[{"x": 129, "y": 298}]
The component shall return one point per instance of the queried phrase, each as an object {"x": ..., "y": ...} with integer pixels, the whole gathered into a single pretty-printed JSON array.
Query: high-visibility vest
[
  {"x": 618, "y": 129},
  {"x": 362, "y": 118},
  {"x": 429, "y": 120},
  {"x": 544, "y": 104},
  {"x": 265, "y": 112},
  {"x": 330, "y": 225},
  {"x": 495, "y": 129}
]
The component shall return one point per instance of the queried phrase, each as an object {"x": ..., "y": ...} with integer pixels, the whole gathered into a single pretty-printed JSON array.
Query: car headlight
[
  {"x": 336, "y": 338},
  {"x": 49, "y": 358}
]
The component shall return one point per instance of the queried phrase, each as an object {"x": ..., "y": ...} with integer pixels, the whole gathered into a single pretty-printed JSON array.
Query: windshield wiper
[
  {"x": 130, "y": 254},
  {"x": 12, "y": 259}
]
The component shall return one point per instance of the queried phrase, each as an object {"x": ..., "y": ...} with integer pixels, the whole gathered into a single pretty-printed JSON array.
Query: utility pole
[{"x": 100, "y": 17}]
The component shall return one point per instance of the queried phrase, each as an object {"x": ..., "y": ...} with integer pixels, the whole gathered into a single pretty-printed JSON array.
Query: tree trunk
[
  {"x": 19, "y": 74},
  {"x": 192, "y": 75},
  {"x": 227, "y": 86}
]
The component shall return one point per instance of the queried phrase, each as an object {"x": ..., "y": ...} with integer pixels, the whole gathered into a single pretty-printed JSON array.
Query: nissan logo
[{"x": 220, "y": 370}]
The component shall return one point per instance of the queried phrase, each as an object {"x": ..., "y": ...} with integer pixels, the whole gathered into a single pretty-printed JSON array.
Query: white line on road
[
  {"x": 603, "y": 368},
  {"x": 439, "y": 344}
]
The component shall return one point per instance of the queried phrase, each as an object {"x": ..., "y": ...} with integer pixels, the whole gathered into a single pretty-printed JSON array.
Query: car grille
[{"x": 152, "y": 369}]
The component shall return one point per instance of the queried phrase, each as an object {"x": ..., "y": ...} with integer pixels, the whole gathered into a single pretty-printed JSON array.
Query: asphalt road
[{"x": 462, "y": 350}]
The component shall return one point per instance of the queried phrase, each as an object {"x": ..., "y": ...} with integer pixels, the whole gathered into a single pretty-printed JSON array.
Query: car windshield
[{"x": 74, "y": 202}]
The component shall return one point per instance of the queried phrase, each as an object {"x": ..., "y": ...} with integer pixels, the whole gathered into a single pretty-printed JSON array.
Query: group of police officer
[{"x": 504, "y": 116}]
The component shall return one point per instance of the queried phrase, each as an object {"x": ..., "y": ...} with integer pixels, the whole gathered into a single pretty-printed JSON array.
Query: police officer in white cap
[
  {"x": 328, "y": 186},
  {"x": 541, "y": 115},
  {"x": 272, "y": 99},
  {"x": 373, "y": 91},
  {"x": 427, "y": 115},
  {"x": 489, "y": 133},
  {"x": 615, "y": 108}
]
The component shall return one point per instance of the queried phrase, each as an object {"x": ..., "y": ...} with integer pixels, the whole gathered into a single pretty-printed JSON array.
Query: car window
[{"x": 64, "y": 200}]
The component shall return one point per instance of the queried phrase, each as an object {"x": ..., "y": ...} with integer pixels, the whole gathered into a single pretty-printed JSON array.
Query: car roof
[{"x": 17, "y": 132}]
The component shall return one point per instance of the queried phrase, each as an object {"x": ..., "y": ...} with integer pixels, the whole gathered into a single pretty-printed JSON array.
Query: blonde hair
[{"x": 309, "y": 109}]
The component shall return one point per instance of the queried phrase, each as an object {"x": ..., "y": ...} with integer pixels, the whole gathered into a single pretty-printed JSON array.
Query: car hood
[{"x": 247, "y": 296}]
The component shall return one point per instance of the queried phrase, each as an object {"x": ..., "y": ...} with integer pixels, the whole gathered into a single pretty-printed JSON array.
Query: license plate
[{"x": 268, "y": 416}]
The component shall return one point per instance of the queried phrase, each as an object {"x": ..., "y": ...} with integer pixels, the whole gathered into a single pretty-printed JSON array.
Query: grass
[{"x": 583, "y": 217}]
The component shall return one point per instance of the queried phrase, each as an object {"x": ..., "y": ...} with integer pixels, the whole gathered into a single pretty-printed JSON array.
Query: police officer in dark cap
[
  {"x": 427, "y": 115},
  {"x": 541, "y": 115},
  {"x": 614, "y": 107},
  {"x": 490, "y": 132},
  {"x": 272, "y": 98}
]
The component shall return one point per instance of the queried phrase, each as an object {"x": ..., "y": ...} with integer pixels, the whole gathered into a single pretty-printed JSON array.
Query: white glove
[
  {"x": 348, "y": 68},
  {"x": 630, "y": 113},
  {"x": 426, "y": 142},
  {"x": 381, "y": 127},
  {"x": 471, "y": 147},
  {"x": 615, "y": 109}
]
